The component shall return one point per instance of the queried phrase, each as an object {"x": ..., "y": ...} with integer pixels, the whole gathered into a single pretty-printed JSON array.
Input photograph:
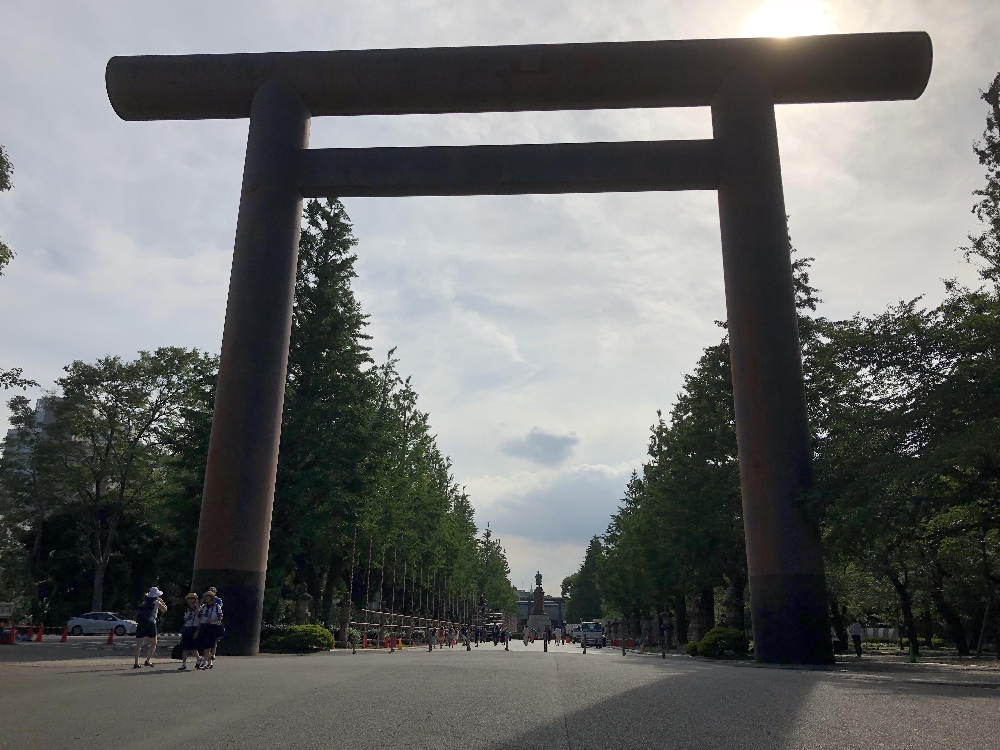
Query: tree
[
  {"x": 328, "y": 435},
  {"x": 585, "y": 600},
  {"x": 110, "y": 433}
]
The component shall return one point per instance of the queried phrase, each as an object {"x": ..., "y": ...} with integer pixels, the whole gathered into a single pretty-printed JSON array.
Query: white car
[{"x": 100, "y": 623}]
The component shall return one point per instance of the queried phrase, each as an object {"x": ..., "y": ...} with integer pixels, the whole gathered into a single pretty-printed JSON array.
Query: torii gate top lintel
[{"x": 607, "y": 75}]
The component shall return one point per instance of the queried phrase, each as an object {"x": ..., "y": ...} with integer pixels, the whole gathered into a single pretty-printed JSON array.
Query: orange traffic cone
[
  {"x": 38, "y": 635},
  {"x": 365, "y": 644},
  {"x": 65, "y": 633},
  {"x": 387, "y": 641},
  {"x": 111, "y": 638}
]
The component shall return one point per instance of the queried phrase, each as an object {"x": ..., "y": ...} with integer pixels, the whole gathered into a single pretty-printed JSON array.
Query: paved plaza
[{"x": 83, "y": 694}]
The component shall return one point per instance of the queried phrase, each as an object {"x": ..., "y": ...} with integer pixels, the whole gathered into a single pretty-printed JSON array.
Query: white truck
[{"x": 592, "y": 631}]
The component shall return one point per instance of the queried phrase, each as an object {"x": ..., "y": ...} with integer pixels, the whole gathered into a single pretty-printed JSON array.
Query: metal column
[
  {"x": 242, "y": 457},
  {"x": 784, "y": 556}
]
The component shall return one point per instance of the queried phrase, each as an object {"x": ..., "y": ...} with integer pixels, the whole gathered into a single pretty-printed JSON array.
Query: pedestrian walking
[
  {"x": 145, "y": 630},
  {"x": 856, "y": 636},
  {"x": 222, "y": 625},
  {"x": 431, "y": 638},
  {"x": 188, "y": 629},
  {"x": 209, "y": 628},
  {"x": 558, "y": 634}
]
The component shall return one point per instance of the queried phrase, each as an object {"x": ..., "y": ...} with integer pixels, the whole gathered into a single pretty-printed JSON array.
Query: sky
[{"x": 542, "y": 332}]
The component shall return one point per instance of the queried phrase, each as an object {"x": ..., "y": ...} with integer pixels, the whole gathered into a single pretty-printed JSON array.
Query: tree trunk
[
  {"x": 989, "y": 598},
  {"x": 345, "y": 610},
  {"x": 986, "y": 618},
  {"x": 330, "y": 590},
  {"x": 707, "y": 608},
  {"x": 97, "y": 601},
  {"x": 928, "y": 628},
  {"x": 735, "y": 618},
  {"x": 681, "y": 619},
  {"x": 956, "y": 628},
  {"x": 838, "y": 624},
  {"x": 906, "y": 603},
  {"x": 101, "y": 564},
  {"x": 36, "y": 604}
]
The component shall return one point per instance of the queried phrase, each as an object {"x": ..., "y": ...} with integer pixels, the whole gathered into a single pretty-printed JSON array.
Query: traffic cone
[
  {"x": 38, "y": 635},
  {"x": 65, "y": 633},
  {"x": 111, "y": 638},
  {"x": 365, "y": 644}
]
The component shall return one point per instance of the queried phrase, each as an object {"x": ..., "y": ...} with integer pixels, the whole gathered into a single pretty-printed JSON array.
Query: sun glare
[{"x": 791, "y": 18}]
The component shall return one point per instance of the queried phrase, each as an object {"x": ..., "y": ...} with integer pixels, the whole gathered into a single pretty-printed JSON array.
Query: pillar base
[
  {"x": 242, "y": 594},
  {"x": 790, "y": 620}
]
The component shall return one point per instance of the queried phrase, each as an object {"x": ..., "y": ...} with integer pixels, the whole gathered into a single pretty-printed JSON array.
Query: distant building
[{"x": 21, "y": 440}]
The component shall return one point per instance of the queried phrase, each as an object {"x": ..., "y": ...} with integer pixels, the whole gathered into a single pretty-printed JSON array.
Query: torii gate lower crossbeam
[{"x": 740, "y": 79}]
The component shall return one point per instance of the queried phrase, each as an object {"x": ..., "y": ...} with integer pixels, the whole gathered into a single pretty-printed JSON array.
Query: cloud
[
  {"x": 570, "y": 506},
  {"x": 542, "y": 447}
]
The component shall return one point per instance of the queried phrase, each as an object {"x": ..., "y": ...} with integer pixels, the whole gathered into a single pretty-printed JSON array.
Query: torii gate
[{"x": 740, "y": 79}]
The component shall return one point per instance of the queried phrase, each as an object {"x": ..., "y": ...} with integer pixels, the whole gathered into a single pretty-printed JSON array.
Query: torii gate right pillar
[{"x": 784, "y": 555}]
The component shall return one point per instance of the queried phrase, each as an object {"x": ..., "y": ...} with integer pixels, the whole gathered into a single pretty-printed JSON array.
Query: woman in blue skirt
[
  {"x": 188, "y": 629},
  {"x": 209, "y": 628}
]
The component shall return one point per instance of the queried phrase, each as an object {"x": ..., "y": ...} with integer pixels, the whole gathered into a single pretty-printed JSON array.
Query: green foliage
[
  {"x": 298, "y": 638},
  {"x": 6, "y": 169},
  {"x": 585, "y": 596},
  {"x": 719, "y": 640},
  {"x": 985, "y": 248},
  {"x": 12, "y": 378},
  {"x": 691, "y": 648}
]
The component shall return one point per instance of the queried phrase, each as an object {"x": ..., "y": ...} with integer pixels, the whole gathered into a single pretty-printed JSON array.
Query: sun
[{"x": 790, "y": 18}]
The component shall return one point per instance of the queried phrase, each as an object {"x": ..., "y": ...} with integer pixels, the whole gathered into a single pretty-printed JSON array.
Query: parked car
[{"x": 99, "y": 623}]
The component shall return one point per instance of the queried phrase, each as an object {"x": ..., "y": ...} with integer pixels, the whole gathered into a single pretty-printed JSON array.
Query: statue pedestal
[{"x": 538, "y": 623}]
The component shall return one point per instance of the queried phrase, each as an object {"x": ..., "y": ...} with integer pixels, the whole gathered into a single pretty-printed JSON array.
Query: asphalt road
[{"x": 84, "y": 695}]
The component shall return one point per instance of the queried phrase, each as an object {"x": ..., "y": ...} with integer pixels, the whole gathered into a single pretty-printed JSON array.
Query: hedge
[{"x": 296, "y": 638}]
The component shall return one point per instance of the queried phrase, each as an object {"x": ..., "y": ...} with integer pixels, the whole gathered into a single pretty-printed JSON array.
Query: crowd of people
[{"x": 202, "y": 628}]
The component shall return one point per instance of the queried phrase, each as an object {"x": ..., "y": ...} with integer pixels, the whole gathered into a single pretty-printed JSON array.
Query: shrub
[
  {"x": 937, "y": 641},
  {"x": 691, "y": 648},
  {"x": 719, "y": 640},
  {"x": 299, "y": 638}
]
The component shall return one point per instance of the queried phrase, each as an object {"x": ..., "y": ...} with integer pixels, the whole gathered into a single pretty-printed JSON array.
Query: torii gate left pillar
[
  {"x": 740, "y": 79},
  {"x": 235, "y": 520}
]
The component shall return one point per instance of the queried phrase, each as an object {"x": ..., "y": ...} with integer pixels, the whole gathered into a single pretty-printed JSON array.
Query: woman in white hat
[{"x": 145, "y": 631}]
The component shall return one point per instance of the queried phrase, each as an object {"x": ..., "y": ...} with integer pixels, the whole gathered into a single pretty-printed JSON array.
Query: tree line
[
  {"x": 904, "y": 410},
  {"x": 100, "y": 487}
]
